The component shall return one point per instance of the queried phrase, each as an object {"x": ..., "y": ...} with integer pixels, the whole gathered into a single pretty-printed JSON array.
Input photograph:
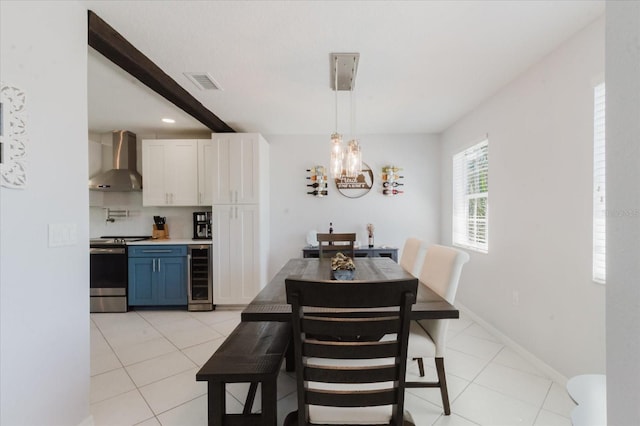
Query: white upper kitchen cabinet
[
  {"x": 170, "y": 172},
  {"x": 205, "y": 172},
  {"x": 237, "y": 164}
]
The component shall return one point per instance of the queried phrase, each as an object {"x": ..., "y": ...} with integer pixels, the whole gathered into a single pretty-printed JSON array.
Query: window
[
  {"x": 599, "y": 204},
  {"x": 471, "y": 197}
]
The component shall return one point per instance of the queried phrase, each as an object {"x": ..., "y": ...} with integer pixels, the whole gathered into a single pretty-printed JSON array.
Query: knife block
[{"x": 160, "y": 234}]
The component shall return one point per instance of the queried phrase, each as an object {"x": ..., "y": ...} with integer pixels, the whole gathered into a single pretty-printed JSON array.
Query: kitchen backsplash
[{"x": 140, "y": 219}]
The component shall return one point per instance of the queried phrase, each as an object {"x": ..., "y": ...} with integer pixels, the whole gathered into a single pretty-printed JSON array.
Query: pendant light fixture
[
  {"x": 337, "y": 150},
  {"x": 345, "y": 162}
]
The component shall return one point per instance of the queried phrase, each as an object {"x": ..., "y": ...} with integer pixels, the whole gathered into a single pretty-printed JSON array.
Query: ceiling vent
[{"x": 203, "y": 80}]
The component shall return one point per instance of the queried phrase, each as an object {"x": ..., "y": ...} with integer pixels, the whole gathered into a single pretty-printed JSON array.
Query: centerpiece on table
[{"x": 342, "y": 267}]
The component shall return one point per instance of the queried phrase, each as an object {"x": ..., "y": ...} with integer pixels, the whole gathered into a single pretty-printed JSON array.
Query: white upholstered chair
[
  {"x": 441, "y": 273},
  {"x": 412, "y": 256}
]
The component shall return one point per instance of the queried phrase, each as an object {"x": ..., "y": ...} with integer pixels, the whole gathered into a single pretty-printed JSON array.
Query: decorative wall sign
[
  {"x": 13, "y": 137},
  {"x": 358, "y": 186}
]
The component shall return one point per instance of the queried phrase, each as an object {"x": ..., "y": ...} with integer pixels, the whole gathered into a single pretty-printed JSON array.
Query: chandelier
[{"x": 345, "y": 161}]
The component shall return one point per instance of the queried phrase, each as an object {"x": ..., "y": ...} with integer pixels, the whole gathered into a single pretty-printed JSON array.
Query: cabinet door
[
  {"x": 235, "y": 254},
  {"x": 172, "y": 281},
  {"x": 181, "y": 172},
  {"x": 236, "y": 168},
  {"x": 246, "y": 264},
  {"x": 153, "y": 173},
  {"x": 244, "y": 157},
  {"x": 205, "y": 172},
  {"x": 141, "y": 286},
  {"x": 221, "y": 254}
]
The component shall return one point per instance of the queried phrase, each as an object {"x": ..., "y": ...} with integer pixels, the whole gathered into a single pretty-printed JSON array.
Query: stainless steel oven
[
  {"x": 109, "y": 272},
  {"x": 108, "y": 279}
]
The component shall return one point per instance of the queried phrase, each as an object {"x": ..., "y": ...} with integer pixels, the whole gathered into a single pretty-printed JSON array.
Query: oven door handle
[{"x": 111, "y": 250}]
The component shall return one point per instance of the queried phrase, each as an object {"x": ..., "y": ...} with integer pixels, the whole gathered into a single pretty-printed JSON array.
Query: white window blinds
[
  {"x": 471, "y": 197},
  {"x": 599, "y": 200}
]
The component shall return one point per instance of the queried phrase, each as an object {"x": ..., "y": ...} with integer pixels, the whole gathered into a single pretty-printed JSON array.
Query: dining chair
[
  {"x": 427, "y": 339},
  {"x": 330, "y": 244},
  {"x": 412, "y": 256},
  {"x": 343, "y": 378}
]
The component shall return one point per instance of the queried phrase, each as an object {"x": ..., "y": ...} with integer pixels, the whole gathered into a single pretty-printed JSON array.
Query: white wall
[
  {"x": 623, "y": 212},
  {"x": 540, "y": 130},
  {"x": 294, "y": 213},
  {"x": 44, "y": 303}
]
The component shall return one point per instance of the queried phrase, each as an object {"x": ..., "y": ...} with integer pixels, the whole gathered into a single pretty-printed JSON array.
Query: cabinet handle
[
  {"x": 156, "y": 251},
  {"x": 189, "y": 278},
  {"x": 153, "y": 262},
  {"x": 199, "y": 197},
  {"x": 236, "y": 196},
  {"x": 231, "y": 196},
  {"x": 166, "y": 198}
]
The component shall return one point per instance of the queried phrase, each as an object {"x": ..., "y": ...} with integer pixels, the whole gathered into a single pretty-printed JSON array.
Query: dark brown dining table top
[{"x": 271, "y": 303}]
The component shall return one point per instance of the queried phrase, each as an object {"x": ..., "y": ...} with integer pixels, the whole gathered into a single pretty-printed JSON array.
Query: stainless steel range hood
[{"x": 123, "y": 177}]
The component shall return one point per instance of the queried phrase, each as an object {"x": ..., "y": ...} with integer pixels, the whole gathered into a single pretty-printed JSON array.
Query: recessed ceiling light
[{"x": 168, "y": 120}]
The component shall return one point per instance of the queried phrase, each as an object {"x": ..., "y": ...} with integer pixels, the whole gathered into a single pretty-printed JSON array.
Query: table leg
[{"x": 289, "y": 356}]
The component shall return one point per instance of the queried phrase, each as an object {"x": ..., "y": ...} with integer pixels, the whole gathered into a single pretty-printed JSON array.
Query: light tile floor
[{"x": 143, "y": 366}]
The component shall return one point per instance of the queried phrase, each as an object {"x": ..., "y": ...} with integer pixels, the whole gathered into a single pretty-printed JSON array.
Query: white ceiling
[{"x": 423, "y": 64}]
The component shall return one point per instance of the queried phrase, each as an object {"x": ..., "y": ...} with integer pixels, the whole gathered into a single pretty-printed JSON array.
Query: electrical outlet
[{"x": 515, "y": 298}]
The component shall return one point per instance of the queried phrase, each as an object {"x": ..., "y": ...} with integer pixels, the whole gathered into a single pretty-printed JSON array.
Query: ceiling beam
[{"x": 111, "y": 44}]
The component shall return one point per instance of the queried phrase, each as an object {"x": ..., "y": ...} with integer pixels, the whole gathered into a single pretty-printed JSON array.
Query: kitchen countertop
[{"x": 176, "y": 241}]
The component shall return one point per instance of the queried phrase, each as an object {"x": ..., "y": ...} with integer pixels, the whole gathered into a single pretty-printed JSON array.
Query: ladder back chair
[
  {"x": 441, "y": 273},
  {"x": 343, "y": 378},
  {"x": 330, "y": 244}
]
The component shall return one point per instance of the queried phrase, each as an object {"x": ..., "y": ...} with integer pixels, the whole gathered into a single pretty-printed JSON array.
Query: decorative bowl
[{"x": 343, "y": 274}]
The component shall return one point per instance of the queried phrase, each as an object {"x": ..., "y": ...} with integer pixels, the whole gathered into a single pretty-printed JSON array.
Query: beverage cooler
[{"x": 200, "y": 286}]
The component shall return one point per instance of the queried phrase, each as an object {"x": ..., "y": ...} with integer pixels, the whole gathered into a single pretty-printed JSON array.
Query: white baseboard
[
  {"x": 87, "y": 422},
  {"x": 549, "y": 371}
]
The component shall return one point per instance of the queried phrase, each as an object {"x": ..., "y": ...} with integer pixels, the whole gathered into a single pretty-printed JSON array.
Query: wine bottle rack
[
  {"x": 391, "y": 183},
  {"x": 317, "y": 181}
]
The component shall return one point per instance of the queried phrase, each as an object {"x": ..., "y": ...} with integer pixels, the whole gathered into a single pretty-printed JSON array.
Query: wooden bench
[{"x": 252, "y": 353}]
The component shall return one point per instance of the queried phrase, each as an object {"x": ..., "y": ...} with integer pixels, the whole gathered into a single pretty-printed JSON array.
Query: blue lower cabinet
[
  {"x": 157, "y": 275},
  {"x": 141, "y": 281}
]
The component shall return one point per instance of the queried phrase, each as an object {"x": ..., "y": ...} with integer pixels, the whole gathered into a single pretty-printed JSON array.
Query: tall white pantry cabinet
[{"x": 240, "y": 164}]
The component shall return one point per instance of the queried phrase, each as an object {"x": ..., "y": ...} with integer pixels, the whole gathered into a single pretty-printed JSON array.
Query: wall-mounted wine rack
[
  {"x": 391, "y": 181},
  {"x": 318, "y": 178}
]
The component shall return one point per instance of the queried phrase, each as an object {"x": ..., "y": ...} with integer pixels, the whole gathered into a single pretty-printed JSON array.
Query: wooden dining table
[{"x": 271, "y": 303}]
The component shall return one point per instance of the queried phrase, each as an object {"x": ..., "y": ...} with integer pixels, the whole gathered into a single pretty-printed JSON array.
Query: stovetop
[{"x": 116, "y": 240}]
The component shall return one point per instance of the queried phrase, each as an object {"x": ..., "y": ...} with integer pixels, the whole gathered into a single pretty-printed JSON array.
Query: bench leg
[
  {"x": 217, "y": 403},
  {"x": 270, "y": 401},
  {"x": 251, "y": 396}
]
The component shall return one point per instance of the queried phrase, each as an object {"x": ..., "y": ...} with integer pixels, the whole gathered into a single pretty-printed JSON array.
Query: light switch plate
[{"x": 62, "y": 234}]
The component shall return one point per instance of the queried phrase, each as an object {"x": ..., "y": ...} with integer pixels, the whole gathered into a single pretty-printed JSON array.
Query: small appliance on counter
[
  {"x": 160, "y": 228},
  {"x": 202, "y": 225}
]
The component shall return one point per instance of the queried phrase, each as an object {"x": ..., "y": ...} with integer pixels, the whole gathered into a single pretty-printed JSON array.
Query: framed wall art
[{"x": 13, "y": 137}]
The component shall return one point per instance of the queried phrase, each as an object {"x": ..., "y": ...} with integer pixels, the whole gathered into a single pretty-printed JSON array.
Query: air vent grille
[{"x": 203, "y": 80}]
